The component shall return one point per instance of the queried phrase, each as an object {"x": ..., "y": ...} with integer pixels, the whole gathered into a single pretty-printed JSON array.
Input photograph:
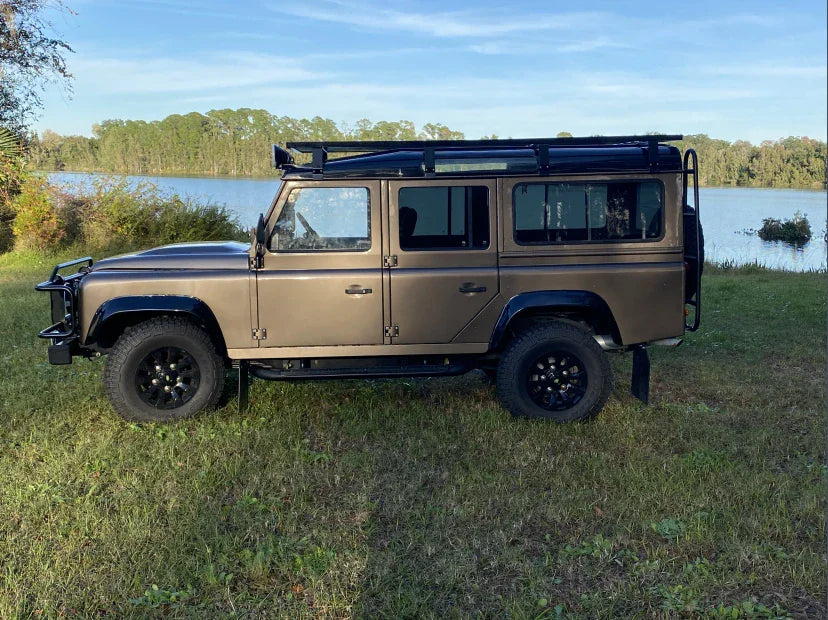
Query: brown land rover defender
[{"x": 528, "y": 259}]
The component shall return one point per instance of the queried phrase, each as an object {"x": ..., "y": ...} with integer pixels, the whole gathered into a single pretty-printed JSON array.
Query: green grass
[{"x": 423, "y": 497}]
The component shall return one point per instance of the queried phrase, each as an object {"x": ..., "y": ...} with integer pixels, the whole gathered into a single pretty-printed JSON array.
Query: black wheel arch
[
  {"x": 117, "y": 314},
  {"x": 567, "y": 305}
]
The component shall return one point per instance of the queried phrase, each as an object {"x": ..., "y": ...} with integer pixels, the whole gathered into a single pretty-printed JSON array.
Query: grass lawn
[{"x": 424, "y": 497}]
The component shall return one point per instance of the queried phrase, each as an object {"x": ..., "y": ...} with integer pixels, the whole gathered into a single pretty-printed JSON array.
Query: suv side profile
[{"x": 527, "y": 259}]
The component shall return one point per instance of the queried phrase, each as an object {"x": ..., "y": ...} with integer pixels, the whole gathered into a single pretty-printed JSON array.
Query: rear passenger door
[{"x": 442, "y": 237}]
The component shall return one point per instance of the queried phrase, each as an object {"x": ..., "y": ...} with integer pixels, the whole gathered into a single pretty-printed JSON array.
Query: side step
[
  {"x": 246, "y": 369},
  {"x": 371, "y": 372}
]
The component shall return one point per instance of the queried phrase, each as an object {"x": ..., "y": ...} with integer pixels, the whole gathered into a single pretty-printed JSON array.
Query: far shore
[{"x": 277, "y": 177}]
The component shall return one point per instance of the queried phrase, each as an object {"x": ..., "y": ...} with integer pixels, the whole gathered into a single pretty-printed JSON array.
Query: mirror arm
[{"x": 257, "y": 244}]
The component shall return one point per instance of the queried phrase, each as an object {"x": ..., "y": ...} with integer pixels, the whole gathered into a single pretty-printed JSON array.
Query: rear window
[{"x": 548, "y": 213}]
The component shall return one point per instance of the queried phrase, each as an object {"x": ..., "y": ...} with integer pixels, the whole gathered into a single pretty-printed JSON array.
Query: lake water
[{"x": 726, "y": 214}]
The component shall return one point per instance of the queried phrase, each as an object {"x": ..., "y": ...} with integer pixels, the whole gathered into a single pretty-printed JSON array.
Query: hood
[{"x": 206, "y": 255}]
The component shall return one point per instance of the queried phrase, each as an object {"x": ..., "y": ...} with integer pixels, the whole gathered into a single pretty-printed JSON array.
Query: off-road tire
[
  {"x": 517, "y": 361},
  {"x": 136, "y": 343}
]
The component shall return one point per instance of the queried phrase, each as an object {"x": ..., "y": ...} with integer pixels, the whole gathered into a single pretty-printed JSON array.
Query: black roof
[{"x": 447, "y": 158}]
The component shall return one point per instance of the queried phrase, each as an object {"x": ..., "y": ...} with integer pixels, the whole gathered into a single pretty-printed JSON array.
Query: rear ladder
[{"x": 695, "y": 300}]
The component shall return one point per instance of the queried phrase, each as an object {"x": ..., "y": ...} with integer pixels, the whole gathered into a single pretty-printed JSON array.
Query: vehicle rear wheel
[
  {"x": 163, "y": 369},
  {"x": 554, "y": 371}
]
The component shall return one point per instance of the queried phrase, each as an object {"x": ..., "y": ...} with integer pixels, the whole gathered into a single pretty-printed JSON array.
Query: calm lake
[{"x": 726, "y": 214}]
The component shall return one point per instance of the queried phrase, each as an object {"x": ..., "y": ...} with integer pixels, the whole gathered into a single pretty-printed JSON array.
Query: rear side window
[
  {"x": 324, "y": 218},
  {"x": 444, "y": 218},
  {"x": 546, "y": 213}
]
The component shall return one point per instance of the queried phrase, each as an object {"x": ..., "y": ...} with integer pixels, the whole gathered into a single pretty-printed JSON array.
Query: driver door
[{"x": 321, "y": 280}]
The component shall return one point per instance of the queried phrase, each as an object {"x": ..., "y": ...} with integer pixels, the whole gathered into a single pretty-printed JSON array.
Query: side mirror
[
  {"x": 257, "y": 243},
  {"x": 260, "y": 231}
]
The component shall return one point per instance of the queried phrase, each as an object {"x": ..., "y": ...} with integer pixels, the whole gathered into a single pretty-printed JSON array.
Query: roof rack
[
  {"x": 370, "y": 146},
  {"x": 541, "y": 146}
]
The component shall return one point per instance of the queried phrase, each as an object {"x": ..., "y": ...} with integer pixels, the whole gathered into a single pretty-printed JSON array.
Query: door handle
[
  {"x": 472, "y": 289},
  {"x": 358, "y": 291}
]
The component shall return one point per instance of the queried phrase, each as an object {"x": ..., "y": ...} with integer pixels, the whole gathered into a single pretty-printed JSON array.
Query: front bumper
[{"x": 63, "y": 292}]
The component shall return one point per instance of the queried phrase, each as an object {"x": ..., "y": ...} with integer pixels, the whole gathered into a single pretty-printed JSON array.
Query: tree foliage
[
  {"x": 789, "y": 162},
  {"x": 30, "y": 57},
  {"x": 221, "y": 142},
  {"x": 12, "y": 176}
]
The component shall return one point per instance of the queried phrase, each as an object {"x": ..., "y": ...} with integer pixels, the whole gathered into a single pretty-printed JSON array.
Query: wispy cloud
[
  {"x": 436, "y": 23},
  {"x": 766, "y": 70},
  {"x": 521, "y": 47},
  {"x": 192, "y": 8},
  {"x": 230, "y": 70}
]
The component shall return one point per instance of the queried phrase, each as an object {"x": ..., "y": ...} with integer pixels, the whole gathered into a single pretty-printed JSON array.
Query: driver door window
[
  {"x": 321, "y": 280},
  {"x": 324, "y": 219}
]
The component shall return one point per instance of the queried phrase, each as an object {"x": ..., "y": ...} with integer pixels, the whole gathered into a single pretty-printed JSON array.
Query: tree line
[
  {"x": 237, "y": 143},
  {"x": 221, "y": 142}
]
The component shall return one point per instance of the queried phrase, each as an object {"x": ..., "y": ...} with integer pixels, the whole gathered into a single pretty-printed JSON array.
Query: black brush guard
[{"x": 63, "y": 293}]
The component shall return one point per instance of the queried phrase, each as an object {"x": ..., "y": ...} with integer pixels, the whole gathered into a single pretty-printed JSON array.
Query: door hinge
[
  {"x": 260, "y": 333},
  {"x": 392, "y": 331},
  {"x": 389, "y": 261}
]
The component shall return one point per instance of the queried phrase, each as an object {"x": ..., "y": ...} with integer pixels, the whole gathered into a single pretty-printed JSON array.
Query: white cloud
[
  {"x": 768, "y": 70},
  {"x": 520, "y": 47},
  {"x": 435, "y": 23},
  {"x": 169, "y": 75}
]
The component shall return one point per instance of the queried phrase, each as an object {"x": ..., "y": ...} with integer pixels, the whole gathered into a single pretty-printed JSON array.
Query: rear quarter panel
[{"x": 641, "y": 281}]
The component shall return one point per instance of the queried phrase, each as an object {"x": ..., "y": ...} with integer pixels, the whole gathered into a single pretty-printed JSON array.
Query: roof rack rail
[
  {"x": 319, "y": 150},
  {"x": 368, "y": 146}
]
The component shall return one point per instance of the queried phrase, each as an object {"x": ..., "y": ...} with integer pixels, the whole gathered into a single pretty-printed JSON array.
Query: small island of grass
[{"x": 796, "y": 231}]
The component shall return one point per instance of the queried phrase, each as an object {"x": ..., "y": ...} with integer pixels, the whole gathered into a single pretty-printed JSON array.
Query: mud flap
[
  {"x": 640, "y": 387},
  {"x": 244, "y": 384}
]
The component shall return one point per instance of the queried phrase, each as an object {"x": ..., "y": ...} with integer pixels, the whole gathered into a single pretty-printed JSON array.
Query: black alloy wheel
[
  {"x": 554, "y": 371},
  {"x": 557, "y": 380},
  {"x": 167, "y": 378},
  {"x": 163, "y": 369}
]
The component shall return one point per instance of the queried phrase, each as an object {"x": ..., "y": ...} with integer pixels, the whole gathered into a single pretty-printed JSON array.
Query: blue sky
[{"x": 734, "y": 70}]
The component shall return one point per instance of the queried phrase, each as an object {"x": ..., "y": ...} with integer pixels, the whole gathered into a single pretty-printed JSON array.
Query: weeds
[{"x": 111, "y": 214}]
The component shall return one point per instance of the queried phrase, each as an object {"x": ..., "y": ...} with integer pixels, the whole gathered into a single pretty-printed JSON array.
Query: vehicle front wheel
[
  {"x": 163, "y": 369},
  {"x": 554, "y": 371}
]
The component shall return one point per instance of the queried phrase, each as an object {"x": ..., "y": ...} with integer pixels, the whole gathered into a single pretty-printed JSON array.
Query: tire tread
[
  {"x": 134, "y": 336},
  {"x": 509, "y": 367}
]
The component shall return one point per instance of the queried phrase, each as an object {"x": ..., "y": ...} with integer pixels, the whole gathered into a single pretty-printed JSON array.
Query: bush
[
  {"x": 12, "y": 176},
  {"x": 111, "y": 214},
  {"x": 38, "y": 223},
  {"x": 796, "y": 230}
]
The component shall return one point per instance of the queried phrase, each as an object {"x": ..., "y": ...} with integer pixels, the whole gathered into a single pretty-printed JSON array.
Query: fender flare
[
  {"x": 593, "y": 306},
  {"x": 118, "y": 309}
]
